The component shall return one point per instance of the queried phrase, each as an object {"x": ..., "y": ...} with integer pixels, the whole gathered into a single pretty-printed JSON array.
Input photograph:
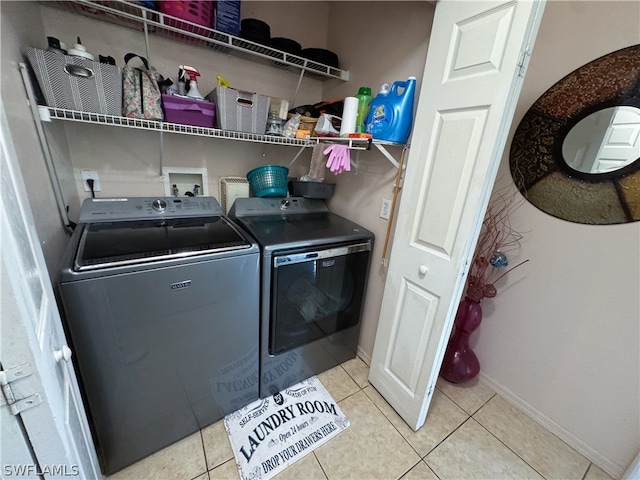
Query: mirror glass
[{"x": 605, "y": 141}]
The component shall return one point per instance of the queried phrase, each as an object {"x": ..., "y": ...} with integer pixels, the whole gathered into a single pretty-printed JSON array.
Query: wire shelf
[
  {"x": 134, "y": 16},
  {"x": 102, "y": 119},
  {"x": 155, "y": 125}
]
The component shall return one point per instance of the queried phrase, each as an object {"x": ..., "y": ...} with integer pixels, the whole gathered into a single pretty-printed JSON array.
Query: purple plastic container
[{"x": 188, "y": 111}]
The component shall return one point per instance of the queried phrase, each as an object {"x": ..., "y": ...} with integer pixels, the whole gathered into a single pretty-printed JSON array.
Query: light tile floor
[{"x": 470, "y": 433}]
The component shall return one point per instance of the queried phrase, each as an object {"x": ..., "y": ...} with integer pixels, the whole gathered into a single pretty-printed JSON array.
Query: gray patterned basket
[{"x": 77, "y": 83}]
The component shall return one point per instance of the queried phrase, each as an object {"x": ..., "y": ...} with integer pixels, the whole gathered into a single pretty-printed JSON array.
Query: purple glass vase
[{"x": 460, "y": 363}]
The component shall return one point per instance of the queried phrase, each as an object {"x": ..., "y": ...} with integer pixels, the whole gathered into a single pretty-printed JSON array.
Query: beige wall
[
  {"x": 561, "y": 339},
  {"x": 21, "y": 25},
  {"x": 377, "y": 43}
]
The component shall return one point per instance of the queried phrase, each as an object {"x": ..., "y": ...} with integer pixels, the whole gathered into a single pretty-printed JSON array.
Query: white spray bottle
[{"x": 193, "y": 81}]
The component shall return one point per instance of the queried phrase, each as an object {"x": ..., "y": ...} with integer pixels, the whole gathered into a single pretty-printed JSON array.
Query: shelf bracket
[
  {"x": 355, "y": 163},
  {"x": 146, "y": 36},
  {"x": 161, "y": 149},
  {"x": 295, "y": 95},
  {"x": 44, "y": 144},
  {"x": 387, "y": 155},
  {"x": 293, "y": 160}
]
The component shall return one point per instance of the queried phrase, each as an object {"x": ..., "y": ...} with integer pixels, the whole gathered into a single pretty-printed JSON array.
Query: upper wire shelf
[
  {"x": 134, "y": 16},
  {"x": 103, "y": 119}
]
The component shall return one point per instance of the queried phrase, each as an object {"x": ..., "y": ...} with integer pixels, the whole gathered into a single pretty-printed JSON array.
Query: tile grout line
[
  {"x": 584, "y": 476},
  {"x": 232, "y": 459},
  {"x": 321, "y": 467},
  {"x": 431, "y": 469},
  {"x": 423, "y": 458},
  {"x": 204, "y": 453},
  {"x": 481, "y": 406},
  {"x": 391, "y": 423},
  {"x": 508, "y": 447},
  {"x": 443, "y": 440},
  {"x": 461, "y": 407},
  {"x": 394, "y": 427},
  {"x": 497, "y": 438},
  {"x": 410, "y": 468},
  {"x": 360, "y": 389}
]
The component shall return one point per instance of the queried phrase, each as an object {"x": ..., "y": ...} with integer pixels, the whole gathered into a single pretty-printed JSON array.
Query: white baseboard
[
  {"x": 633, "y": 472},
  {"x": 574, "y": 442},
  {"x": 366, "y": 358}
]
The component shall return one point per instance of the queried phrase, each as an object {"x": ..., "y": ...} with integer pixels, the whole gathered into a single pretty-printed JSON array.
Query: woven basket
[{"x": 306, "y": 123}]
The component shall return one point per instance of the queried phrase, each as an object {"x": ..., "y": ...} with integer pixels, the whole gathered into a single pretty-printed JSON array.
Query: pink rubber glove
[
  {"x": 339, "y": 158},
  {"x": 331, "y": 161}
]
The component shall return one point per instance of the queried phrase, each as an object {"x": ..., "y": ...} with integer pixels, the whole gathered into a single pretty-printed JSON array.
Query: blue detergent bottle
[{"x": 391, "y": 112}]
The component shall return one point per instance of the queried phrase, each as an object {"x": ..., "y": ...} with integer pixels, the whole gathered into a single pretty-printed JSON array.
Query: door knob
[
  {"x": 422, "y": 269},
  {"x": 63, "y": 354}
]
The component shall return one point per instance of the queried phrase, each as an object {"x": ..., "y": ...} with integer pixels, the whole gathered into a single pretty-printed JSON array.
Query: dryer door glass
[{"x": 316, "y": 293}]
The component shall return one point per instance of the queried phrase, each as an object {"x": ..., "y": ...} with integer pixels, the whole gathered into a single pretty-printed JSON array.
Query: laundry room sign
[{"x": 270, "y": 434}]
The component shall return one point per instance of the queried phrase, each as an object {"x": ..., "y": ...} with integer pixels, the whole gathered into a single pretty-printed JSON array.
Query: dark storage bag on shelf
[
  {"x": 286, "y": 45},
  {"x": 77, "y": 83},
  {"x": 255, "y": 30},
  {"x": 321, "y": 55},
  {"x": 140, "y": 90}
]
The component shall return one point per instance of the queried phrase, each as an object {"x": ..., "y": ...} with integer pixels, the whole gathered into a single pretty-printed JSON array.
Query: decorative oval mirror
[{"x": 576, "y": 153}]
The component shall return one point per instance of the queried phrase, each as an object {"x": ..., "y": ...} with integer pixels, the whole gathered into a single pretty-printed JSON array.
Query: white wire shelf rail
[
  {"x": 47, "y": 113},
  {"x": 102, "y": 119},
  {"x": 134, "y": 16}
]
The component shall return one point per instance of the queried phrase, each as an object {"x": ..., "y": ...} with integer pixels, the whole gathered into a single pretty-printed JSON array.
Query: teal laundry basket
[{"x": 269, "y": 181}]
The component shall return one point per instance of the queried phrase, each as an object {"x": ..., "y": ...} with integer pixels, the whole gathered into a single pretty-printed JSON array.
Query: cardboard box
[
  {"x": 240, "y": 111},
  {"x": 188, "y": 111},
  {"x": 227, "y": 17},
  {"x": 77, "y": 83}
]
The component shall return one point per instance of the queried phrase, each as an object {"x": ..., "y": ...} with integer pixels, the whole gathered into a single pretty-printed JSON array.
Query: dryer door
[{"x": 316, "y": 293}]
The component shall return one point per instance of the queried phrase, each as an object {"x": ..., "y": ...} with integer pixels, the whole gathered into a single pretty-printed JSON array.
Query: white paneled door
[
  {"x": 45, "y": 433},
  {"x": 478, "y": 52}
]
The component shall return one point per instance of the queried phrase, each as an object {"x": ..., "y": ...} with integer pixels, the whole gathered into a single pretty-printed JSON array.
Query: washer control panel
[{"x": 145, "y": 208}]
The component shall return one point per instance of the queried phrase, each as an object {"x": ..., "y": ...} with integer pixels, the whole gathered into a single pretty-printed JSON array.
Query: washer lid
[{"x": 109, "y": 244}]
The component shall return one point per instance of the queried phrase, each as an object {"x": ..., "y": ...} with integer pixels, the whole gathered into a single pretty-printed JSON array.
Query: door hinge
[
  {"x": 16, "y": 405},
  {"x": 523, "y": 61}
]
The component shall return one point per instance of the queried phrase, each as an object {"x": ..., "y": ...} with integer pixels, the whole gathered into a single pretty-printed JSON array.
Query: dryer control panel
[
  {"x": 254, "y": 206},
  {"x": 145, "y": 208}
]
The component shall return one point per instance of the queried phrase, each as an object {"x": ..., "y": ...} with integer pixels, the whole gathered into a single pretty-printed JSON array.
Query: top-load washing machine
[
  {"x": 160, "y": 298},
  {"x": 315, "y": 266}
]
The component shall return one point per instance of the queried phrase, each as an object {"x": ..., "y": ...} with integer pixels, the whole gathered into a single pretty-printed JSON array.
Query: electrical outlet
[
  {"x": 385, "y": 209},
  {"x": 90, "y": 174}
]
